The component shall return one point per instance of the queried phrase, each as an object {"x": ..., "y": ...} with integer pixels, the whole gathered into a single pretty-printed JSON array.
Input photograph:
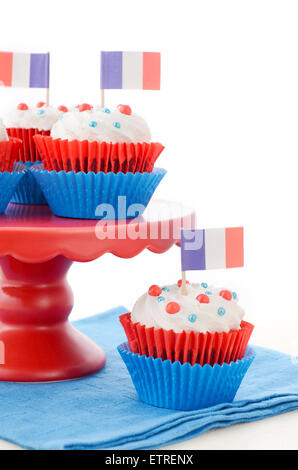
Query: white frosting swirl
[
  {"x": 42, "y": 118},
  {"x": 3, "y": 134},
  {"x": 219, "y": 315},
  {"x": 102, "y": 125}
]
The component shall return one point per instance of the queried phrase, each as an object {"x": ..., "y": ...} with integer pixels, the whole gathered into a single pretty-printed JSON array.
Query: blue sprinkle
[
  {"x": 92, "y": 124},
  {"x": 204, "y": 285},
  {"x": 106, "y": 110},
  {"x": 192, "y": 317},
  {"x": 221, "y": 311},
  {"x": 160, "y": 299},
  {"x": 234, "y": 295},
  {"x": 116, "y": 124},
  {"x": 208, "y": 292},
  {"x": 41, "y": 111},
  {"x": 61, "y": 116},
  {"x": 165, "y": 289}
]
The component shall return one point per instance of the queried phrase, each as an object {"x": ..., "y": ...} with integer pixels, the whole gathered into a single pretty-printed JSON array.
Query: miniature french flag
[
  {"x": 213, "y": 248},
  {"x": 134, "y": 70},
  {"x": 23, "y": 70}
]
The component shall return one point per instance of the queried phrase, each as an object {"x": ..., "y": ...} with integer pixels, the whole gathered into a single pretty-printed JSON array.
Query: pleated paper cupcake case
[
  {"x": 8, "y": 184},
  {"x": 181, "y": 386},
  {"x": 28, "y": 151},
  {"x": 192, "y": 347},
  {"x": 9, "y": 153},
  {"x": 75, "y": 155},
  {"x": 28, "y": 191},
  {"x": 78, "y": 195}
]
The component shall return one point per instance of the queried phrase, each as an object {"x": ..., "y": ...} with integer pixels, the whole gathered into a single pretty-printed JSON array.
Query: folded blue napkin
[{"x": 103, "y": 411}]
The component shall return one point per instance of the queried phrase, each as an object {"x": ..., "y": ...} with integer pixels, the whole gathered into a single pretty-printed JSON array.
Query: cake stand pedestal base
[{"x": 37, "y": 342}]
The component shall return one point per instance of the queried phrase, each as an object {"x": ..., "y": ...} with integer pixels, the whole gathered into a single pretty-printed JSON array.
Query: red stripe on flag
[
  {"x": 6, "y": 68},
  {"x": 151, "y": 70},
  {"x": 234, "y": 247}
]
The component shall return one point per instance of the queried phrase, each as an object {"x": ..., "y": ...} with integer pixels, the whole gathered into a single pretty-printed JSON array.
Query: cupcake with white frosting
[
  {"x": 186, "y": 352},
  {"x": 98, "y": 139},
  {"x": 204, "y": 326},
  {"x": 24, "y": 123}
]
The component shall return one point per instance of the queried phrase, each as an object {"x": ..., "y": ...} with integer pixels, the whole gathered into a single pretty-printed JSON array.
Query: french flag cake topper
[
  {"x": 129, "y": 70},
  {"x": 214, "y": 248},
  {"x": 25, "y": 70}
]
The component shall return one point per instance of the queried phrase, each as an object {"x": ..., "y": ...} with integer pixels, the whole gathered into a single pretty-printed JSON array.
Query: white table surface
[{"x": 278, "y": 432}]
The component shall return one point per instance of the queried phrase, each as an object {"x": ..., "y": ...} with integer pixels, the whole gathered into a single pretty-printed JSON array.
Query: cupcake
[
  {"x": 98, "y": 164},
  {"x": 99, "y": 139},
  {"x": 24, "y": 122},
  {"x": 205, "y": 326},
  {"x": 186, "y": 352},
  {"x": 9, "y": 179}
]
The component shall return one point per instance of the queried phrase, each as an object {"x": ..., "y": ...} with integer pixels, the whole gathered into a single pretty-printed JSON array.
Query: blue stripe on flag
[{"x": 193, "y": 250}]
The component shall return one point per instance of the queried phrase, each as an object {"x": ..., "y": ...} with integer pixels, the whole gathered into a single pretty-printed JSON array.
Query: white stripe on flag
[
  {"x": 21, "y": 70},
  {"x": 215, "y": 248},
  {"x": 132, "y": 70}
]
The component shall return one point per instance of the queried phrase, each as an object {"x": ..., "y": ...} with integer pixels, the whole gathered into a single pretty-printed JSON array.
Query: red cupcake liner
[
  {"x": 191, "y": 347},
  {"x": 76, "y": 155},
  {"x": 9, "y": 153},
  {"x": 28, "y": 152}
]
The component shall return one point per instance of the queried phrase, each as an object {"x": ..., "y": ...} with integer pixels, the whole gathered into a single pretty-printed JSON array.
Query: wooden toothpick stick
[
  {"x": 48, "y": 89},
  {"x": 48, "y": 97},
  {"x": 102, "y": 98},
  {"x": 183, "y": 285}
]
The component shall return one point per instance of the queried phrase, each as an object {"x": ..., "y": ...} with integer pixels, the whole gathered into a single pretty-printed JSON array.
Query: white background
[{"x": 228, "y": 117}]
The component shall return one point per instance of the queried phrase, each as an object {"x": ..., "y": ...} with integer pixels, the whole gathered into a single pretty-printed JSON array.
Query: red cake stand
[{"x": 37, "y": 342}]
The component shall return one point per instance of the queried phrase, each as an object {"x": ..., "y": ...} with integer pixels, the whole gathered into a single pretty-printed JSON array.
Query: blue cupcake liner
[
  {"x": 184, "y": 387},
  {"x": 28, "y": 191},
  {"x": 8, "y": 183},
  {"x": 79, "y": 195}
]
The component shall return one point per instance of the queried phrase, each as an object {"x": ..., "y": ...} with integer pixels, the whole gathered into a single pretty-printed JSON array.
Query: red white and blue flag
[
  {"x": 134, "y": 70},
  {"x": 213, "y": 248},
  {"x": 23, "y": 70}
]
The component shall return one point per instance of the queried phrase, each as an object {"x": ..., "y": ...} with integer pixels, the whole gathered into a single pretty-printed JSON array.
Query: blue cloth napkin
[{"x": 103, "y": 411}]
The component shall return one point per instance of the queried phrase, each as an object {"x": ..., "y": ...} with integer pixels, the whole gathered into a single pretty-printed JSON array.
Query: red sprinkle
[
  {"x": 22, "y": 106},
  {"x": 154, "y": 290},
  {"x": 124, "y": 109},
  {"x": 226, "y": 294},
  {"x": 203, "y": 299},
  {"x": 173, "y": 307},
  {"x": 62, "y": 108},
  {"x": 85, "y": 107},
  {"x": 40, "y": 104},
  {"x": 179, "y": 283}
]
